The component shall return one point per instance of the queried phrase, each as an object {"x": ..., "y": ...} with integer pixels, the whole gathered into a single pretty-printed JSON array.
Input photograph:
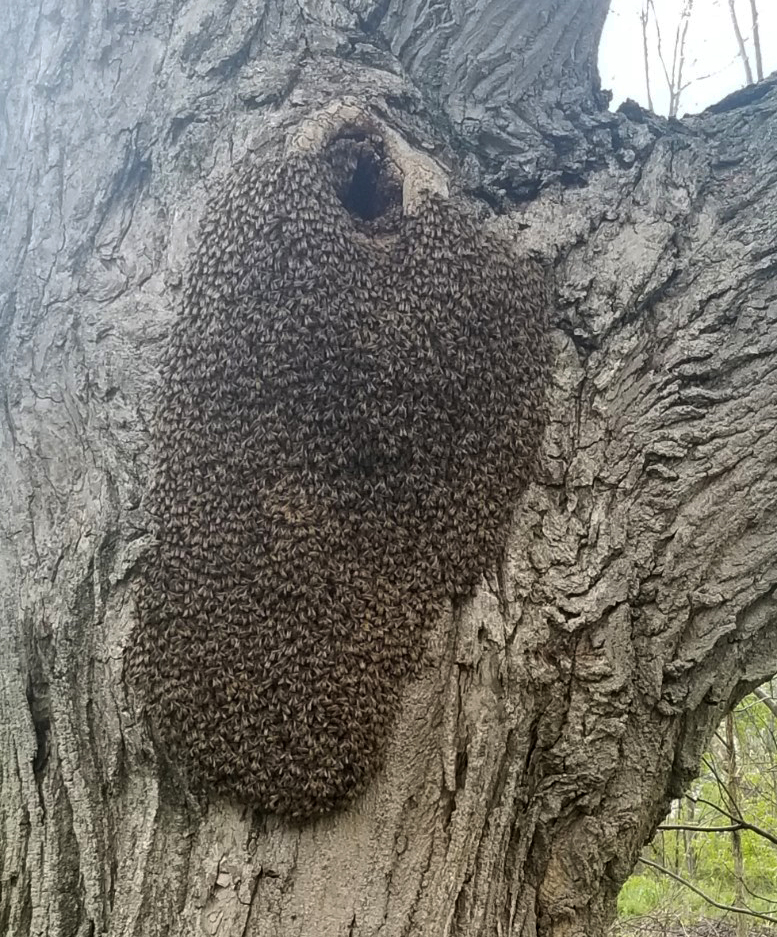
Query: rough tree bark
[{"x": 570, "y": 700}]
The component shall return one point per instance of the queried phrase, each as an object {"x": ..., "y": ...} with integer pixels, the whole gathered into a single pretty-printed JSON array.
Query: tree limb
[
  {"x": 715, "y": 904},
  {"x": 746, "y": 825},
  {"x": 740, "y": 43},
  {"x": 767, "y": 700},
  {"x": 701, "y": 829},
  {"x": 644, "y": 17},
  {"x": 759, "y": 65}
]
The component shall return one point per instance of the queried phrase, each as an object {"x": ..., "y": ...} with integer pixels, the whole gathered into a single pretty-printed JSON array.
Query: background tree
[
  {"x": 677, "y": 58},
  {"x": 671, "y": 68},
  {"x": 570, "y": 701},
  {"x": 755, "y": 38},
  {"x": 727, "y": 821}
]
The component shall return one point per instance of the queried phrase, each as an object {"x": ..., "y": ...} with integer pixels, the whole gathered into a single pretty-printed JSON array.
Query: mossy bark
[{"x": 566, "y": 704}]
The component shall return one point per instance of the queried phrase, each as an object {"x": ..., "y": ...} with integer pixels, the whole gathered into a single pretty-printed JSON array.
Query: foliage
[{"x": 734, "y": 789}]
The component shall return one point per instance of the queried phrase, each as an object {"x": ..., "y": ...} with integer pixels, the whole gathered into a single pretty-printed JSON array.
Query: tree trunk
[
  {"x": 734, "y": 806},
  {"x": 562, "y": 707}
]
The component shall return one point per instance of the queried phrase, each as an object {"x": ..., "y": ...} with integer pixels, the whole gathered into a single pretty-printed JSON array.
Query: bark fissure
[{"x": 561, "y": 707}]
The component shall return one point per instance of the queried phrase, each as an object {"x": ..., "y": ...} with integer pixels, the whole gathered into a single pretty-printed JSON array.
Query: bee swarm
[{"x": 351, "y": 402}]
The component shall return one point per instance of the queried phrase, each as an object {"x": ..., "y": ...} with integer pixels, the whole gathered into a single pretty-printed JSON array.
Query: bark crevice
[{"x": 562, "y": 707}]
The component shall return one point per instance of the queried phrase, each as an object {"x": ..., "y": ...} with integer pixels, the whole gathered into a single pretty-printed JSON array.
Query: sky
[{"x": 713, "y": 66}]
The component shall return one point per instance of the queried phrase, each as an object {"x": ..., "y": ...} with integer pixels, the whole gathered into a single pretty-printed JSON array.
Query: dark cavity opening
[
  {"x": 367, "y": 183},
  {"x": 364, "y": 197}
]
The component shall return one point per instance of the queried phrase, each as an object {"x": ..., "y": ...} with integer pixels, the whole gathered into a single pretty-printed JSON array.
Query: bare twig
[
  {"x": 758, "y": 897},
  {"x": 767, "y": 700},
  {"x": 746, "y": 825},
  {"x": 721, "y": 786},
  {"x": 673, "y": 102},
  {"x": 715, "y": 904},
  {"x": 740, "y": 43},
  {"x": 661, "y": 59},
  {"x": 678, "y": 58},
  {"x": 702, "y": 829},
  {"x": 686, "y": 19},
  {"x": 644, "y": 17},
  {"x": 673, "y": 77},
  {"x": 759, "y": 65}
]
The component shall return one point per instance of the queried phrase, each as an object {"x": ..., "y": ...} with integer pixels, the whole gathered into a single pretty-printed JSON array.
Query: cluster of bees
[{"x": 348, "y": 411}]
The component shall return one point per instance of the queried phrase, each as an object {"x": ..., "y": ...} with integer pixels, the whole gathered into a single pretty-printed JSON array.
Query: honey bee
[{"x": 350, "y": 404}]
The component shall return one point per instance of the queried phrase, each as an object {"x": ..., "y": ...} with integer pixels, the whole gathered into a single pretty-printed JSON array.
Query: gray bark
[{"x": 570, "y": 700}]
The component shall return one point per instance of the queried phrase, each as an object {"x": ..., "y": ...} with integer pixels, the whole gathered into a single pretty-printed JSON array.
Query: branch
[
  {"x": 703, "y": 829},
  {"x": 685, "y": 20},
  {"x": 723, "y": 787},
  {"x": 712, "y": 901},
  {"x": 754, "y": 894},
  {"x": 746, "y": 825},
  {"x": 673, "y": 103},
  {"x": 767, "y": 700},
  {"x": 759, "y": 65},
  {"x": 644, "y": 16},
  {"x": 652, "y": 5},
  {"x": 741, "y": 43}
]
